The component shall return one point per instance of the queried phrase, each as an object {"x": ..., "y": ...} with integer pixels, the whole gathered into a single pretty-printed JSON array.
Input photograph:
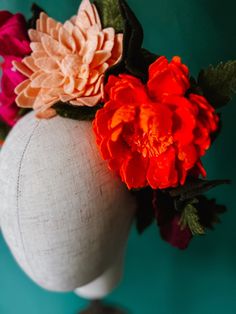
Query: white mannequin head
[{"x": 64, "y": 215}]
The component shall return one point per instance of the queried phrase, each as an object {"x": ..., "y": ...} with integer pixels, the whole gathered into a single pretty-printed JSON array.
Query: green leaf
[
  {"x": 194, "y": 187},
  {"x": 135, "y": 60},
  {"x": 148, "y": 57},
  {"x": 189, "y": 217},
  {"x": 23, "y": 111},
  {"x": 218, "y": 83},
  {"x": 82, "y": 113},
  {"x": 4, "y": 130},
  {"x": 109, "y": 11}
]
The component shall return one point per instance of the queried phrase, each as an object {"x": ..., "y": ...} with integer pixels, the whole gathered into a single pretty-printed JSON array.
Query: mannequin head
[{"x": 64, "y": 215}]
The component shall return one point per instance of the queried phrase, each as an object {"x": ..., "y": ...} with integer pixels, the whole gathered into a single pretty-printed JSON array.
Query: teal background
[{"x": 158, "y": 278}]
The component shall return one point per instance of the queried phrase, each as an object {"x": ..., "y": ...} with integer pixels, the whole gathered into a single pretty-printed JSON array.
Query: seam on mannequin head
[{"x": 18, "y": 195}]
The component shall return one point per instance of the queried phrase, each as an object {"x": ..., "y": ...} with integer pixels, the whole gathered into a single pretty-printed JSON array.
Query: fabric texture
[{"x": 64, "y": 215}]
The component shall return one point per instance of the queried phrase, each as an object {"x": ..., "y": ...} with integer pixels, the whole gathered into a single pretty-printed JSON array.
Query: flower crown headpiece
[{"x": 152, "y": 121}]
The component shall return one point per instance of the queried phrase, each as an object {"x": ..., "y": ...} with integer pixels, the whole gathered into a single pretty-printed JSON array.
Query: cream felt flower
[{"x": 67, "y": 62}]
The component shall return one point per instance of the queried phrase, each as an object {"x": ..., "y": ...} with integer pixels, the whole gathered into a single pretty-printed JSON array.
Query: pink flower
[
  {"x": 14, "y": 45},
  {"x": 13, "y": 35}
]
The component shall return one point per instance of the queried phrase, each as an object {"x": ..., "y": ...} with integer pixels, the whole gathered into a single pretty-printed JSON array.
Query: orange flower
[
  {"x": 153, "y": 134},
  {"x": 68, "y": 61},
  {"x": 168, "y": 78}
]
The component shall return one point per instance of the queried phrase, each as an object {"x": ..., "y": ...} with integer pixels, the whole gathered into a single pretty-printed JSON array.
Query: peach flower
[{"x": 67, "y": 62}]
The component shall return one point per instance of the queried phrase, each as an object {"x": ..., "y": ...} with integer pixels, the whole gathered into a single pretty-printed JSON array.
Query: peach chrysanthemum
[{"x": 67, "y": 62}]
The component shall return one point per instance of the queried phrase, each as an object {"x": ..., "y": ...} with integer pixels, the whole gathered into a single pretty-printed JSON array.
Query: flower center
[{"x": 147, "y": 144}]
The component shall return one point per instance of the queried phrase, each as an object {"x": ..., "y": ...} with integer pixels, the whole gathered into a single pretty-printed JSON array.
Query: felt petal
[
  {"x": 98, "y": 84},
  {"x": 101, "y": 39},
  {"x": 80, "y": 83},
  {"x": 83, "y": 21},
  {"x": 53, "y": 80},
  {"x": 73, "y": 20},
  {"x": 84, "y": 71},
  {"x": 102, "y": 68},
  {"x": 69, "y": 85},
  {"x": 29, "y": 62},
  {"x": 19, "y": 88},
  {"x": 86, "y": 15},
  {"x": 89, "y": 90},
  {"x": 117, "y": 48},
  {"x": 54, "y": 33},
  {"x": 36, "y": 74},
  {"x": 43, "y": 102},
  {"x": 31, "y": 92},
  {"x": 100, "y": 57},
  {"x": 66, "y": 98},
  {"x": 79, "y": 38},
  {"x": 109, "y": 33},
  {"x": 43, "y": 22},
  {"x": 24, "y": 101},
  {"x": 36, "y": 46},
  {"x": 89, "y": 49},
  {"x": 89, "y": 101},
  {"x": 39, "y": 79},
  {"x": 43, "y": 109},
  {"x": 108, "y": 45},
  {"x": 162, "y": 171},
  {"x": 51, "y": 24},
  {"x": 117, "y": 149},
  {"x": 133, "y": 171},
  {"x": 66, "y": 39},
  {"x": 123, "y": 115},
  {"x": 54, "y": 48},
  {"x": 101, "y": 122},
  {"x": 22, "y": 68},
  {"x": 35, "y": 36},
  {"x": 38, "y": 24},
  {"x": 104, "y": 150},
  {"x": 39, "y": 54},
  {"x": 46, "y": 114},
  {"x": 93, "y": 77},
  {"x": 47, "y": 64},
  {"x": 116, "y": 133},
  {"x": 96, "y": 17},
  {"x": 52, "y": 92},
  {"x": 68, "y": 27}
]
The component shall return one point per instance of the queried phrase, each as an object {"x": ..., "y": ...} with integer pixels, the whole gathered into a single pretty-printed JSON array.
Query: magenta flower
[{"x": 14, "y": 46}]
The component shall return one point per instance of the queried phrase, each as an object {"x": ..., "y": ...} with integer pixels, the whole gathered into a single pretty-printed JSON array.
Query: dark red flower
[
  {"x": 177, "y": 236},
  {"x": 153, "y": 134},
  {"x": 168, "y": 220}
]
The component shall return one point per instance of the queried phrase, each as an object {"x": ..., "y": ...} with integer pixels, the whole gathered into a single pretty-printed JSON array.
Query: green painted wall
[{"x": 158, "y": 278}]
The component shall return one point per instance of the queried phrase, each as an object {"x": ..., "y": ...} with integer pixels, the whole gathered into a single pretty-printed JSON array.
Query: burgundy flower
[
  {"x": 168, "y": 220},
  {"x": 173, "y": 233}
]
